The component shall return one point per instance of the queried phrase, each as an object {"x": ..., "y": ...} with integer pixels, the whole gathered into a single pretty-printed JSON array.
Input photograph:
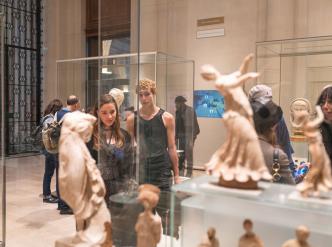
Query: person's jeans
[
  {"x": 50, "y": 163},
  {"x": 187, "y": 155}
]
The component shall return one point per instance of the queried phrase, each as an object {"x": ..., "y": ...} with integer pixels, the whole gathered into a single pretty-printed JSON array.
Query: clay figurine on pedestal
[
  {"x": 302, "y": 234},
  {"x": 148, "y": 226},
  {"x": 249, "y": 239},
  {"x": 299, "y": 107},
  {"x": 81, "y": 185},
  {"x": 319, "y": 179},
  {"x": 209, "y": 239},
  {"x": 239, "y": 162}
]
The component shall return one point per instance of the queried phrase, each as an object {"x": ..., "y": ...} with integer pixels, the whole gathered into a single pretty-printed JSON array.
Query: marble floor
[{"x": 29, "y": 221}]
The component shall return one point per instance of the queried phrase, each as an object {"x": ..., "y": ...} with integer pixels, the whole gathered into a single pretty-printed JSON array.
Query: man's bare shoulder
[
  {"x": 130, "y": 124},
  {"x": 168, "y": 116},
  {"x": 168, "y": 119}
]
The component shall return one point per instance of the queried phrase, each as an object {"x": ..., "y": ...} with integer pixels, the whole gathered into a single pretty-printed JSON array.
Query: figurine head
[
  {"x": 302, "y": 233},
  {"x": 247, "y": 226},
  {"x": 79, "y": 122},
  {"x": 300, "y": 109},
  {"x": 118, "y": 95},
  {"x": 148, "y": 195},
  {"x": 146, "y": 91},
  {"x": 209, "y": 72},
  {"x": 211, "y": 233}
]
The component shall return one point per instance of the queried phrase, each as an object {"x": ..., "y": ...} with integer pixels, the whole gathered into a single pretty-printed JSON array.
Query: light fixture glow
[{"x": 106, "y": 71}]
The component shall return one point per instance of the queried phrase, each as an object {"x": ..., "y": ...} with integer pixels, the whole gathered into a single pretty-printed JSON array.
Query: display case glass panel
[
  {"x": 295, "y": 68},
  {"x": 2, "y": 135},
  {"x": 91, "y": 78}
]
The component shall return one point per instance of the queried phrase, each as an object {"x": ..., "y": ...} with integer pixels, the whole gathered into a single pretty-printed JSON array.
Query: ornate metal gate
[{"x": 22, "y": 71}]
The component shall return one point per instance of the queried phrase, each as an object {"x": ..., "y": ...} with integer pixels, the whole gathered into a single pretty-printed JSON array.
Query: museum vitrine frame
[
  {"x": 3, "y": 137},
  {"x": 90, "y": 78},
  {"x": 295, "y": 68}
]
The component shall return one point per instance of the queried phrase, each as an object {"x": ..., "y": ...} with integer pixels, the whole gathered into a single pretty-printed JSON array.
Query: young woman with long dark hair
[
  {"x": 111, "y": 146},
  {"x": 325, "y": 102}
]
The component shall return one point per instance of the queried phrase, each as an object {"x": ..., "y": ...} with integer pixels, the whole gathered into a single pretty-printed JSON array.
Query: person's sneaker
[
  {"x": 50, "y": 199},
  {"x": 54, "y": 194},
  {"x": 66, "y": 211}
]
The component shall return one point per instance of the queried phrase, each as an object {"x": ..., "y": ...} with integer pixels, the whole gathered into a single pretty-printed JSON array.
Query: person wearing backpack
[
  {"x": 73, "y": 104},
  {"x": 50, "y": 159}
]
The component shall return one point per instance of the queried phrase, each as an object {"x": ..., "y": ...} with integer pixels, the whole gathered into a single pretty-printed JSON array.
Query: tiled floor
[{"x": 29, "y": 221}]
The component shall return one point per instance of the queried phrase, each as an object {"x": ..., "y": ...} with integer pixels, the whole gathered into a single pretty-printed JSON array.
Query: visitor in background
[
  {"x": 186, "y": 131},
  {"x": 263, "y": 94},
  {"x": 266, "y": 118},
  {"x": 50, "y": 159},
  {"x": 325, "y": 102}
]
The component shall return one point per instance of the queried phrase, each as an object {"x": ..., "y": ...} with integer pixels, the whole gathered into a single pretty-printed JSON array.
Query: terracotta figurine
[
  {"x": 239, "y": 161},
  {"x": 297, "y": 107},
  {"x": 148, "y": 226},
  {"x": 319, "y": 179},
  {"x": 249, "y": 239},
  {"x": 81, "y": 185},
  {"x": 230, "y": 86},
  {"x": 302, "y": 234},
  {"x": 118, "y": 95},
  {"x": 209, "y": 239}
]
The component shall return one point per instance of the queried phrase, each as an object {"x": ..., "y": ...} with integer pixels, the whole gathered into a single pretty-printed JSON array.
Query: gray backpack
[{"x": 51, "y": 135}]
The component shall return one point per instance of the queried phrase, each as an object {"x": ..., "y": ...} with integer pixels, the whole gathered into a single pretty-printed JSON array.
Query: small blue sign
[{"x": 208, "y": 104}]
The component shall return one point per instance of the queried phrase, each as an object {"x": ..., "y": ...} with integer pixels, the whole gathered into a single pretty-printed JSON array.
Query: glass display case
[
  {"x": 274, "y": 211},
  {"x": 91, "y": 78},
  {"x": 295, "y": 68}
]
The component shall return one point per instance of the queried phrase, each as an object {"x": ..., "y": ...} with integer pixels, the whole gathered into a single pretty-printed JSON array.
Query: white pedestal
[{"x": 274, "y": 216}]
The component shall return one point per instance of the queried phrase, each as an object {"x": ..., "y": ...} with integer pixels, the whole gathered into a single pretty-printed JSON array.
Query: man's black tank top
[
  {"x": 154, "y": 162},
  {"x": 152, "y": 136}
]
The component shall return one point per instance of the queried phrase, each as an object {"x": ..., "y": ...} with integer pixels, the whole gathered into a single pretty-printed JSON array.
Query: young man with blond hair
[{"x": 157, "y": 149}]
